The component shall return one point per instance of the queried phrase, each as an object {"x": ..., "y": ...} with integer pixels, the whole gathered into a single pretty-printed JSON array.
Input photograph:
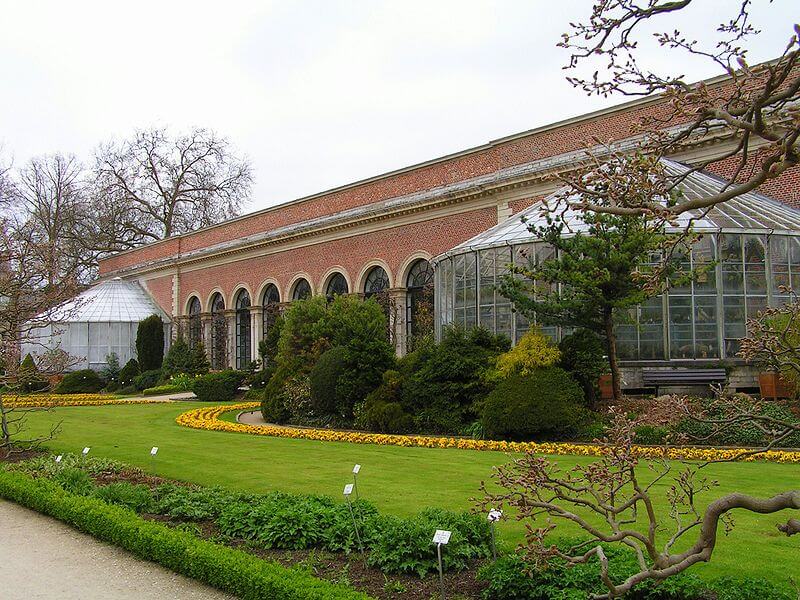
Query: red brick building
[{"x": 378, "y": 232}]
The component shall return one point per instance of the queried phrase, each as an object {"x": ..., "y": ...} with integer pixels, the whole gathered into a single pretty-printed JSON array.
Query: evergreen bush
[
  {"x": 30, "y": 380},
  {"x": 324, "y": 378},
  {"x": 547, "y": 404},
  {"x": 150, "y": 343},
  {"x": 218, "y": 387},
  {"x": 179, "y": 359},
  {"x": 110, "y": 372},
  {"x": 147, "y": 379},
  {"x": 128, "y": 372},
  {"x": 583, "y": 355},
  {"x": 84, "y": 381}
]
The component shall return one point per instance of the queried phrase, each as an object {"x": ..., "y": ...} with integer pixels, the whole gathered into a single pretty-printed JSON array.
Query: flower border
[
  {"x": 208, "y": 418},
  {"x": 56, "y": 400}
]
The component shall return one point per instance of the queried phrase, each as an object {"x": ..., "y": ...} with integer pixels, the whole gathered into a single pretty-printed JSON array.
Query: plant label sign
[
  {"x": 153, "y": 450},
  {"x": 441, "y": 536},
  {"x": 356, "y": 469},
  {"x": 86, "y": 450},
  {"x": 348, "y": 489},
  {"x": 495, "y": 515},
  {"x": 59, "y": 457}
]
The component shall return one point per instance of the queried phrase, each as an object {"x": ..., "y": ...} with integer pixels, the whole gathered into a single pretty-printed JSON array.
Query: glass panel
[
  {"x": 680, "y": 327},
  {"x": 705, "y": 327},
  {"x": 734, "y": 324},
  {"x": 651, "y": 329},
  {"x": 705, "y": 279},
  {"x": 732, "y": 265},
  {"x": 754, "y": 264}
]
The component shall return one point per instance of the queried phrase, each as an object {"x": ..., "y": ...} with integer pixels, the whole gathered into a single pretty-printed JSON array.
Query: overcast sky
[{"x": 316, "y": 94}]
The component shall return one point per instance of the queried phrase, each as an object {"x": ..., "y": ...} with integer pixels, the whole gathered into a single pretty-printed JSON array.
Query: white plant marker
[
  {"x": 441, "y": 538},
  {"x": 59, "y": 457},
  {"x": 86, "y": 450},
  {"x": 356, "y": 470},
  {"x": 153, "y": 450}
]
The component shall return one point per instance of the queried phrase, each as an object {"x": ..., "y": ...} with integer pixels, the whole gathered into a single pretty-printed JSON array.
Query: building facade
[{"x": 224, "y": 283}]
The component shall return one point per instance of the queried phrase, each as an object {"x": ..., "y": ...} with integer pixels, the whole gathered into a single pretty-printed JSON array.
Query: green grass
[{"x": 397, "y": 480}]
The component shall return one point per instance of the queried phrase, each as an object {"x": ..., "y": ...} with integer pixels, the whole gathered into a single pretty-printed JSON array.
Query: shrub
[
  {"x": 29, "y": 378},
  {"x": 387, "y": 417},
  {"x": 650, "y": 434},
  {"x": 138, "y": 498},
  {"x": 84, "y": 381},
  {"x": 582, "y": 354},
  {"x": 127, "y": 390},
  {"x": 324, "y": 378},
  {"x": 74, "y": 481},
  {"x": 110, "y": 373},
  {"x": 443, "y": 382},
  {"x": 200, "y": 364},
  {"x": 128, "y": 372},
  {"x": 227, "y": 569},
  {"x": 161, "y": 390},
  {"x": 147, "y": 379},
  {"x": 178, "y": 359},
  {"x": 218, "y": 387},
  {"x": 544, "y": 405},
  {"x": 533, "y": 350},
  {"x": 150, "y": 343},
  {"x": 193, "y": 503}
]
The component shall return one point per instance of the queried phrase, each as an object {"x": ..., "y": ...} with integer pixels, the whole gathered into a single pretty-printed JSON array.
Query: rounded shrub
[
  {"x": 84, "y": 381},
  {"x": 325, "y": 375},
  {"x": 218, "y": 387},
  {"x": 546, "y": 404},
  {"x": 147, "y": 379}
]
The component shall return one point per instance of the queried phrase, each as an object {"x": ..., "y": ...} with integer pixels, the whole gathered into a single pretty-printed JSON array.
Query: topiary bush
[
  {"x": 128, "y": 372},
  {"x": 147, "y": 379},
  {"x": 218, "y": 387},
  {"x": 84, "y": 381},
  {"x": 547, "y": 404},
  {"x": 324, "y": 379},
  {"x": 150, "y": 343}
]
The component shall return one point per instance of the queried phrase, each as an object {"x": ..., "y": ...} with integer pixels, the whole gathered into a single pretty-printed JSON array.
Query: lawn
[{"x": 397, "y": 480}]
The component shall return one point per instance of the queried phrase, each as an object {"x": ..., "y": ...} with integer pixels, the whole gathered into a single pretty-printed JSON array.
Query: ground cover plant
[{"x": 400, "y": 481}]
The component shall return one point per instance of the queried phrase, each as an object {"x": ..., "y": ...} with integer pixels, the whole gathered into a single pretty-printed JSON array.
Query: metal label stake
[
  {"x": 348, "y": 489},
  {"x": 440, "y": 538},
  {"x": 493, "y": 517}
]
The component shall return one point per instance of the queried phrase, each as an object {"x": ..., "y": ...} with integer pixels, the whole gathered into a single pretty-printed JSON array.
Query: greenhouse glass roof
[
  {"x": 113, "y": 301},
  {"x": 747, "y": 212}
]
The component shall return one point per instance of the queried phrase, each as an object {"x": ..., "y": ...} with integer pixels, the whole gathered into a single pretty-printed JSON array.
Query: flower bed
[
  {"x": 50, "y": 401},
  {"x": 208, "y": 418}
]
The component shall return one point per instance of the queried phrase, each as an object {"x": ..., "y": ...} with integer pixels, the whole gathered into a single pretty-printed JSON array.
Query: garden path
[{"x": 41, "y": 558}]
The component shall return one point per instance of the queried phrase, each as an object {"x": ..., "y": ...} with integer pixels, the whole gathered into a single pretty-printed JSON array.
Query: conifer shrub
[
  {"x": 85, "y": 381},
  {"x": 150, "y": 343}
]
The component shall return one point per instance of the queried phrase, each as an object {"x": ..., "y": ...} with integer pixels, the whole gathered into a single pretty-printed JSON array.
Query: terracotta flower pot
[
  {"x": 606, "y": 387},
  {"x": 772, "y": 385}
]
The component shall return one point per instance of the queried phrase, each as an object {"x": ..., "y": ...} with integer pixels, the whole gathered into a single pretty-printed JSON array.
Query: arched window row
[
  {"x": 243, "y": 330},
  {"x": 219, "y": 332},
  {"x": 337, "y": 286}
]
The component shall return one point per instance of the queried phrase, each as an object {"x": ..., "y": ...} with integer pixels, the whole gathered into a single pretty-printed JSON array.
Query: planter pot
[
  {"x": 606, "y": 387},
  {"x": 772, "y": 385}
]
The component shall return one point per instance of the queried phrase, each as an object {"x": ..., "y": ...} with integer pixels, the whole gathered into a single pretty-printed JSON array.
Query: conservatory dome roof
[
  {"x": 112, "y": 301},
  {"x": 750, "y": 212}
]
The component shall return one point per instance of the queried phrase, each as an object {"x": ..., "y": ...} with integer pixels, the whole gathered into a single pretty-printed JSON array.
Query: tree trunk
[{"x": 611, "y": 343}]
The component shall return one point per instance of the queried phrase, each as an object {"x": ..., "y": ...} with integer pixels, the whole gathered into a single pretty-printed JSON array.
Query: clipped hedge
[
  {"x": 161, "y": 390},
  {"x": 218, "y": 387},
  {"x": 229, "y": 570},
  {"x": 85, "y": 381}
]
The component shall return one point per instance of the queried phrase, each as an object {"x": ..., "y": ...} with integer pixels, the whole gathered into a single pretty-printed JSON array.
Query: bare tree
[
  {"x": 612, "y": 503},
  {"x": 29, "y": 305},
  {"x": 48, "y": 198},
  {"x": 758, "y": 107},
  {"x": 161, "y": 186}
]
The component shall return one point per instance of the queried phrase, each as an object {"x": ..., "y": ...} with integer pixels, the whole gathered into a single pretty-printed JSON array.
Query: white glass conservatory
[
  {"x": 752, "y": 241},
  {"x": 101, "y": 320}
]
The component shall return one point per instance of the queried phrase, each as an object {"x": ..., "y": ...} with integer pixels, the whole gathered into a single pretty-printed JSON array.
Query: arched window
[
  {"x": 419, "y": 301},
  {"x": 195, "y": 326},
  {"x": 271, "y": 303},
  {"x": 377, "y": 281},
  {"x": 243, "y": 354},
  {"x": 219, "y": 332},
  {"x": 337, "y": 286},
  {"x": 301, "y": 290}
]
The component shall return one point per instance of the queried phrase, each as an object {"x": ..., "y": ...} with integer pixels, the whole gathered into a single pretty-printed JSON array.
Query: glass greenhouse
[
  {"x": 753, "y": 243},
  {"x": 97, "y": 322}
]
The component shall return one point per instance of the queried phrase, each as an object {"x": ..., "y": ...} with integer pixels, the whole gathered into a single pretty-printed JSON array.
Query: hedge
[
  {"x": 161, "y": 390},
  {"x": 229, "y": 570}
]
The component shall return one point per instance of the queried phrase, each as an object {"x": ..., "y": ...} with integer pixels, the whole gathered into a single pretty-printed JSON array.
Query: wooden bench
[{"x": 658, "y": 377}]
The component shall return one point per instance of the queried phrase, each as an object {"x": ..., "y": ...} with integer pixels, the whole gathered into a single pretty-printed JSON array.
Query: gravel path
[{"x": 41, "y": 558}]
